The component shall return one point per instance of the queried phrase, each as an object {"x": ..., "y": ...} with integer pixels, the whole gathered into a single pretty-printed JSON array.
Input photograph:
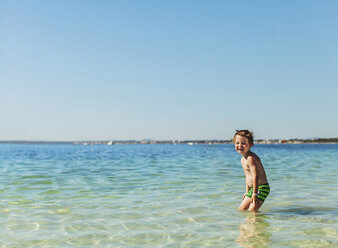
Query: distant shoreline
[{"x": 175, "y": 142}]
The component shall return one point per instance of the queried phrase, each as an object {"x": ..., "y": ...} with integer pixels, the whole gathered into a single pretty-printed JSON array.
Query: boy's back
[{"x": 259, "y": 169}]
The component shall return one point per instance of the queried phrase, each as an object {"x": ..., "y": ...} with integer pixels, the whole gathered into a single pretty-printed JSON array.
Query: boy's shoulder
[{"x": 252, "y": 157}]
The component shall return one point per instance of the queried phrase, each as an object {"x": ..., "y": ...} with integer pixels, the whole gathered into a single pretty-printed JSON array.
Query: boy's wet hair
[{"x": 244, "y": 133}]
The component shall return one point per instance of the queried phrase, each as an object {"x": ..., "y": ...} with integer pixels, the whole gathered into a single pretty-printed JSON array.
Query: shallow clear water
[{"x": 164, "y": 196}]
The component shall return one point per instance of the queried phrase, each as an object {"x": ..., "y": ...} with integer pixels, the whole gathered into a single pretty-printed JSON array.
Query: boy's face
[{"x": 242, "y": 145}]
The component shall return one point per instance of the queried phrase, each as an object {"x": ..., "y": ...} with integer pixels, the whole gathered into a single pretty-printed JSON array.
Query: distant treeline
[{"x": 321, "y": 140}]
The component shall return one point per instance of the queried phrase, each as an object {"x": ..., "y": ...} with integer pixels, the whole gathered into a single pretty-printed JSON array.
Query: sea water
[{"x": 165, "y": 196}]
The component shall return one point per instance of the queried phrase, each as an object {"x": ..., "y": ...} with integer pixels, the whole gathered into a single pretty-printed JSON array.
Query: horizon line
[{"x": 160, "y": 140}]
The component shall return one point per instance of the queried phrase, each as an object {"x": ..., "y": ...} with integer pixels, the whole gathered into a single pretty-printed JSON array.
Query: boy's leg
[
  {"x": 259, "y": 203},
  {"x": 263, "y": 192},
  {"x": 245, "y": 203}
]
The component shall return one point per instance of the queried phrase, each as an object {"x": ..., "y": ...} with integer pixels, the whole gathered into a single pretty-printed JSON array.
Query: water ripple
[{"x": 163, "y": 196}]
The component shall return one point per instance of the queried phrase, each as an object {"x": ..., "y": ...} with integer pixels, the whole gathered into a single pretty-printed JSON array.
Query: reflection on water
[{"x": 254, "y": 232}]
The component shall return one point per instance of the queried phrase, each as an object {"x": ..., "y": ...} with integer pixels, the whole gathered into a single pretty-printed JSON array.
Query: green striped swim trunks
[{"x": 263, "y": 191}]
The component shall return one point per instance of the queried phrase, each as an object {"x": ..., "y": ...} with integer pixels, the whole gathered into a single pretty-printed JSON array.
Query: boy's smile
[{"x": 242, "y": 145}]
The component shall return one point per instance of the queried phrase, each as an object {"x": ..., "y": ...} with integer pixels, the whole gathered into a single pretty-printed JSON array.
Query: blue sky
[{"x": 99, "y": 70}]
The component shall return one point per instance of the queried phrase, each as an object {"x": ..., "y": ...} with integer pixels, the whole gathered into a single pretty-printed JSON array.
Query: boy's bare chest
[{"x": 246, "y": 167}]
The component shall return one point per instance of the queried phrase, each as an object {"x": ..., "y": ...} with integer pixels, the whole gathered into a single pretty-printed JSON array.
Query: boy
[{"x": 257, "y": 187}]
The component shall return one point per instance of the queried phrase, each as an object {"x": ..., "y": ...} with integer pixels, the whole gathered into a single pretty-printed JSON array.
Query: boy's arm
[
  {"x": 253, "y": 170},
  {"x": 246, "y": 189}
]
